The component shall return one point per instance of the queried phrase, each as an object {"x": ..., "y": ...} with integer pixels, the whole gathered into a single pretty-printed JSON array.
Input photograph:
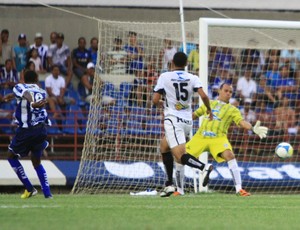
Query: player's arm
[
  {"x": 261, "y": 131},
  {"x": 33, "y": 104},
  {"x": 206, "y": 102},
  {"x": 156, "y": 99}
]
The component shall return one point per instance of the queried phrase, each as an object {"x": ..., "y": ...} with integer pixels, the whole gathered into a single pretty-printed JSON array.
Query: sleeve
[
  {"x": 19, "y": 90},
  {"x": 237, "y": 116},
  {"x": 67, "y": 51},
  {"x": 47, "y": 82},
  {"x": 239, "y": 84},
  {"x": 159, "y": 88},
  {"x": 50, "y": 52},
  {"x": 13, "y": 52},
  {"x": 201, "y": 111},
  {"x": 63, "y": 82},
  {"x": 197, "y": 83}
]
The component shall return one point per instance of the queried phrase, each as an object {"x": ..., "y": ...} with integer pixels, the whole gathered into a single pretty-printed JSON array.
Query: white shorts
[{"x": 177, "y": 130}]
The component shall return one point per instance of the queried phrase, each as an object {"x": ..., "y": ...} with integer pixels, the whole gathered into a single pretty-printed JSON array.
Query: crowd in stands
[{"x": 266, "y": 82}]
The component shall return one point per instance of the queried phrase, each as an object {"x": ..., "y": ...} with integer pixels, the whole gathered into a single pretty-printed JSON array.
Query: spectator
[
  {"x": 265, "y": 93},
  {"x": 272, "y": 73},
  {"x": 285, "y": 118},
  {"x": 138, "y": 95},
  {"x": 20, "y": 53},
  {"x": 190, "y": 43},
  {"x": 34, "y": 57},
  {"x": 87, "y": 82},
  {"x": 223, "y": 76},
  {"x": 85, "y": 87},
  {"x": 80, "y": 58},
  {"x": 286, "y": 86},
  {"x": 42, "y": 49},
  {"x": 290, "y": 57},
  {"x": 94, "y": 50},
  {"x": 53, "y": 36},
  {"x": 247, "y": 113},
  {"x": 224, "y": 57},
  {"x": 193, "y": 60},
  {"x": 56, "y": 86},
  {"x": 59, "y": 55},
  {"x": 29, "y": 66},
  {"x": 252, "y": 56},
  {"x": 265, "y": 115},
  {"x": 8, "y": 75},
  {"x": 5, "y": 47},
  {"x": 117, "y": 58},
  {"x": 166, "y": 55},
  {"x": 151, "y": 73},
  {"x": 135, "y": 54},
  {"x": 246, "y": 86}
]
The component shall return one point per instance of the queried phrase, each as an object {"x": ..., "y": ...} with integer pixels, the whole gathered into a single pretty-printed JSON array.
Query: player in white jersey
[{"x": 178, "y": 88}]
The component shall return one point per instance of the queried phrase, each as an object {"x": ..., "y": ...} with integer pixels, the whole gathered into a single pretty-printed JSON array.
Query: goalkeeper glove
[{"x": 261, "y": 131}]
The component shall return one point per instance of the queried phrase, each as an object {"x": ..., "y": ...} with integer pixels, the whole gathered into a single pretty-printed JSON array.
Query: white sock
[
  {"x": 179, "y": 178},
  {"x": 236, "y": 174}
]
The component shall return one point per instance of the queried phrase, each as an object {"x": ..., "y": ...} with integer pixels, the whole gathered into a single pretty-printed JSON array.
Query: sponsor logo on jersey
[
  {"x": 179, "y": 106},
  {"x": 209, "y": 134}
]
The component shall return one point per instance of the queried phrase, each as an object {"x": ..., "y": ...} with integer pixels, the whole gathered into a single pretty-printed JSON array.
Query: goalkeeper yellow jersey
[{"x": 223, "y": 115}]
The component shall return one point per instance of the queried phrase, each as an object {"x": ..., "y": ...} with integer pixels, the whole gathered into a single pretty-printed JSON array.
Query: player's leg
[
  {"x": 19, "y": 170},
  {"x": 36, "y": 154},
  {"x": 235, "y": 172},
  {"x": 168, "y": 162},
  {"x": 179, "y": 178},
  {"x": 195, "y": 147},
  {"x": 176, "y": 138},
  {"x": 18, "y": 148}
]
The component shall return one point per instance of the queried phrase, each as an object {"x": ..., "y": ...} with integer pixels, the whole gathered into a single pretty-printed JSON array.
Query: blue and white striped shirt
[{"x": 27, "y": 117}]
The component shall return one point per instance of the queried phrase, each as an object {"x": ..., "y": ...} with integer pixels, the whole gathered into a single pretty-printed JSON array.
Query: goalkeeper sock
[
  {"x": 187, "y": 159},
  {"x": 40, "y": 171},
  {"x": 179, "y": 178},
  {"x": 18, "y": 168},
  {"x": 236, "y": 174},
  {"x": 168, "y": 163}
]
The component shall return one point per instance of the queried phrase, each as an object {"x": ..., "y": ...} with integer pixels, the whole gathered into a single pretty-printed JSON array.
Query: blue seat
[
  {"x": 108, "y": 90},
  {"x": 5, "y": 125},
  {"x": 74, "y": 114},
  {"x": 75, "y": 95},
  {"x": 125, "y": 88},
  {"x": 53, "y": 129}
]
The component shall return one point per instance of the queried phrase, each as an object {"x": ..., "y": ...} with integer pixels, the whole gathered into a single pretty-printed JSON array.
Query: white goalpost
[{"x": 121, "y": 148}]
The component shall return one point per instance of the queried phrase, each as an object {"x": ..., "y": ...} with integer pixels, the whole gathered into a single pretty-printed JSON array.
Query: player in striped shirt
[
  {"x": 212, "y": 134},
  {"x": 31, "y": 117}
]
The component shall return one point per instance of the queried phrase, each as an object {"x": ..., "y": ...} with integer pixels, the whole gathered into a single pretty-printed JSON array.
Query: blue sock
[
  {"x": 43, "y": 180},
  {"x": 18, "y": 168}
]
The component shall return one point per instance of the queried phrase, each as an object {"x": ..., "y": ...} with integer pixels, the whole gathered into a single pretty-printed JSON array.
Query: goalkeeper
[{"x": 212, "y": 135}]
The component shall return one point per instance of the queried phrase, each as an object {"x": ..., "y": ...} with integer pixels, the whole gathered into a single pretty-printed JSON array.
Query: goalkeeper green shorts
[{"x": 216, "y": 145}]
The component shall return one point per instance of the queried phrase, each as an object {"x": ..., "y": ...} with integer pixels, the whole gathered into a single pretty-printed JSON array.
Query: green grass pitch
[{"x": 201, "y": 211}]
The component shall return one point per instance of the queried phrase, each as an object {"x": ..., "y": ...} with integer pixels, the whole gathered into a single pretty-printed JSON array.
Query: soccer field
[{"x": 203, "y": 211}]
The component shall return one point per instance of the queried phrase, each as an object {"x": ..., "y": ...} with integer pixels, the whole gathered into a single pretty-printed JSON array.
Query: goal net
[{"x": 121, "y": 148}]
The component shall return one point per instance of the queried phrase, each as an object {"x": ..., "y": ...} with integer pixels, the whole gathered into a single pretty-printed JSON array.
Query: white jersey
[{"x": 178, "y": 87}]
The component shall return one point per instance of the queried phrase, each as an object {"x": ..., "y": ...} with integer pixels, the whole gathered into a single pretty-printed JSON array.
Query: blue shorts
[{"x": 28, "y": 140}]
